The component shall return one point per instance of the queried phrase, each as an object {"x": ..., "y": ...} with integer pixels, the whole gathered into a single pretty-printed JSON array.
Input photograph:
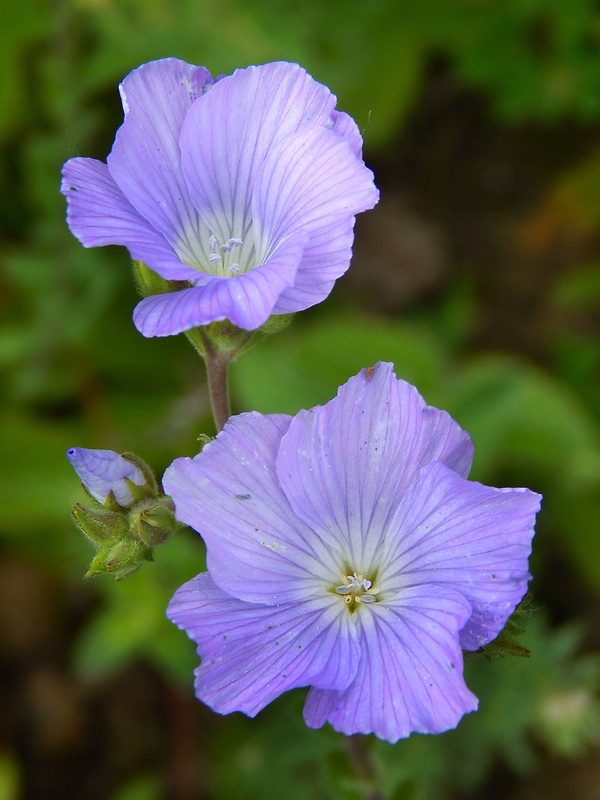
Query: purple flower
[
  {"x": 104, "y": 471},
  {"x": 245, "y": 187},
  {"x": 348, "y": 552}
]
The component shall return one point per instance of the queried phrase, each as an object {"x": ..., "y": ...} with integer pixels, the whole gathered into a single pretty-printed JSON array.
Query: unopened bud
[
  {"x": 99, "y": 525},
  {"x": 130, "y": 516},
  {"x": 153, "y": 522},
  {"x": 120, "y": 560},
  {"x": 104, "y": 472},
  {"x": 125, "y": 554}
]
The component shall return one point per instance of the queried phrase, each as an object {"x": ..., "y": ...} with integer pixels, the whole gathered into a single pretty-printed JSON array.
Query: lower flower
[{"x": 348, "y": 552}]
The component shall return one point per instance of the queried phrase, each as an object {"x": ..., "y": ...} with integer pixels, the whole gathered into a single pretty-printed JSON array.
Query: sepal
[
  {"x": 219, "y": 339},
  {"x": 100, "y": 525},
  {"x": 121, "y": 560},
  {"x": 149, "y": 282},
  {"x": 507, "y": 643},
  {"x": 153, "y": 523},
  {"x": 150, "y": 487},
  {"x": 275, "y": 324}
]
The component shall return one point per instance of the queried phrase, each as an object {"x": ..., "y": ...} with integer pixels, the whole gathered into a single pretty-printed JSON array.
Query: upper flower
[
  {"x": 245, "y": 187},
  {"x": 348, "y": 552},
  {"x": 104, "y": 471}
]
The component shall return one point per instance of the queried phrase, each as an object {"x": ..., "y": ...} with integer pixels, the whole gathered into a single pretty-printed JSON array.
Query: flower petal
[
  {"x": 145, "y": 160},
  {"x": 345, "y": 466},
  {"x": 99, "y": 214},
  {"x": 345, "y": 126},
  {"x": 473, "y": 538},
  {"x": 253, "y": 653},
  {"x": 325, "y": 258},
  {"x": 410, "y": 675},
  {"x": 104, "y": 471},
  {"x": 311, "y": 186},
  {"x": 237, "y": 122},
  {"x": 247, "y": 299},
  {"x": 257, "y": 549}
]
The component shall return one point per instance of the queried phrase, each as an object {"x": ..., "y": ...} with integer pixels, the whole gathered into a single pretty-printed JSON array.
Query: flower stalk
[
  {"x": 218, "y": 386},
  {"x": 219, "y": 344}
]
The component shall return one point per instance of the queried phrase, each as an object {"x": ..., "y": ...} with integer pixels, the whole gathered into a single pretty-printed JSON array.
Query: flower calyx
[{"x": 149, "y": 282}]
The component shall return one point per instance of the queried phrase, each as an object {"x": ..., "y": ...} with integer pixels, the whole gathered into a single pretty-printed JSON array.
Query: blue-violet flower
[
  {"x": 348, "y": 552},
  {"x": 244, "y": 187},
  {"x": 104, "y": 471}
]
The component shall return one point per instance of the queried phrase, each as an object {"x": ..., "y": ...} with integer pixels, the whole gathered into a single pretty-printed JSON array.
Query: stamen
[
  {"x": 356, "y": 589},
  {"x": 228, "y": 247},
  {"x": 218, "y": 255}
]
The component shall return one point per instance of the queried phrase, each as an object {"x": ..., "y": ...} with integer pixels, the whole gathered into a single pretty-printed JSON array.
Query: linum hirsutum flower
[
  {"x": 348, "y": 552},
  {"x": 244, "y": 188}
]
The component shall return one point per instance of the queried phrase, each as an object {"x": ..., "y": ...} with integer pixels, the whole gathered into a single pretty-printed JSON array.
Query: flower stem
[
  {"x": 219, "y": 344},
  {"x": 218, "y": 384}
]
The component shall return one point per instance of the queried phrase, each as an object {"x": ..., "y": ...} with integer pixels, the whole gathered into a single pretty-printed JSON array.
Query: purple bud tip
[{"x": 104, "y": 471}]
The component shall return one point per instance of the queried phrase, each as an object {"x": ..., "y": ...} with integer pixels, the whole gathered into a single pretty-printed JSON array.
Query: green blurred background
[{"x": 478, "y": 275}]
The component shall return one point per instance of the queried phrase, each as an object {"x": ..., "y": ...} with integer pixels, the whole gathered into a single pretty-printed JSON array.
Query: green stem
[
  {"x": 219, "y": 344},
  {"x": 218, "y": 384}
]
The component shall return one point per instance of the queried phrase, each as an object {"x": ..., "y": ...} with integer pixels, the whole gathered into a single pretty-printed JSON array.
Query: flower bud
[
  {"x": 120, "y": 560},
  {"x": 153, "y": 522},
  {"x": 130, "y": 516},
  {"x": 104, "y": 472},
  {"x": 100, "y": 525}
]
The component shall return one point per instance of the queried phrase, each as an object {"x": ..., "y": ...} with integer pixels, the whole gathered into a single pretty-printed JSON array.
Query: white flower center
[
  {"x": 211, "y": 253},
  {"x": 222, "y": 257},
  {"x": 356, "y": 589}
]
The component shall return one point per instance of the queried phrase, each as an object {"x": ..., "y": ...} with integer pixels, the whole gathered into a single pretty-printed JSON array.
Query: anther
[{"x": 228, "y": 247}]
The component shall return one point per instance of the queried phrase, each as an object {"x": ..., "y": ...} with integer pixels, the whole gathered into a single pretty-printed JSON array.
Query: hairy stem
[
  {"x": 218, "y": 385},
  {"x": 219, "y": 344}
]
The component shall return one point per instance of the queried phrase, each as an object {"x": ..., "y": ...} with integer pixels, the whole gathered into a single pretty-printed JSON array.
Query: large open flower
[
  {"x": 348, "y": 552},
  {"x": 244, "y": 187}
]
